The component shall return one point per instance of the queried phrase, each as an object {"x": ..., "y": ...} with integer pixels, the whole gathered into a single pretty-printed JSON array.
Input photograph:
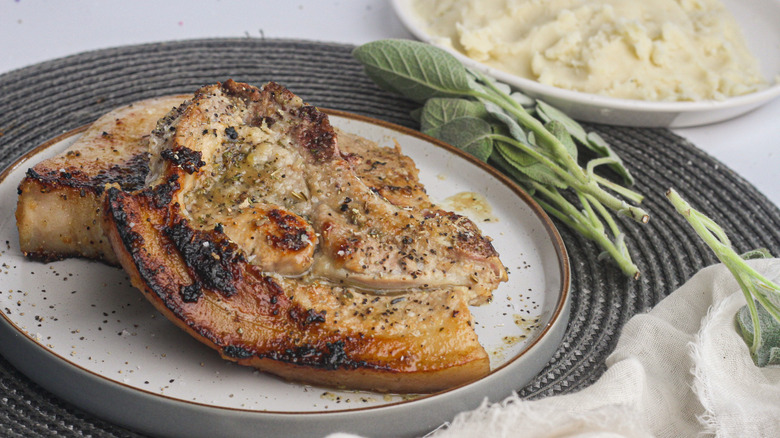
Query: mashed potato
[{"x": 658, "y": 50}]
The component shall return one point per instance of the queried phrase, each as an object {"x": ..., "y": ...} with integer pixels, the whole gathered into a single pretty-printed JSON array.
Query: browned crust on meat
[
  {"x": 316, "y": 131},
  {"x": 290, "y": 231}
]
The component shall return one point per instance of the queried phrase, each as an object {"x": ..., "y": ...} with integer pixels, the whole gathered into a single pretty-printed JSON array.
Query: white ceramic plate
[
  {"x": 760, "y": 23},
  {"x": 82, "y": 331}
]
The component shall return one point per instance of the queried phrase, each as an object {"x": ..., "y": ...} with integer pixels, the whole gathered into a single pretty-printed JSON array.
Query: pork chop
[
  {"x": 59, "y": 208},
  {"x": 256, "y": 236}
]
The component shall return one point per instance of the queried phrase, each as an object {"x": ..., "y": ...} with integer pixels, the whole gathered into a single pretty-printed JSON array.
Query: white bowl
[{"x": 760, "y": 23}]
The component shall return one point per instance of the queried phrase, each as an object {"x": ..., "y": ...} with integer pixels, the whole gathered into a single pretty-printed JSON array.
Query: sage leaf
[
  {"x": 522, "y": 99},
  {"x": 526, "y": 183},
  {"x": 562, "y": 133},
  {"x": 470, "y": 134},
  {"x": 413, "y": 69},
  {"x": 549, "y": 113},
  {"x": 768, "y": 353},
  {"x": 535, "y": 171},
  {"x": 440, "y": 110},
  {"x": 518, "y": 157},
  {"x": 515, "y": 130}
]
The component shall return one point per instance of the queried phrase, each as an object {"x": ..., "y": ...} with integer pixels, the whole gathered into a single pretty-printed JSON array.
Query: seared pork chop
[
  {"x": 256, "y": 235},
  {"x": 59, "y": 209}
]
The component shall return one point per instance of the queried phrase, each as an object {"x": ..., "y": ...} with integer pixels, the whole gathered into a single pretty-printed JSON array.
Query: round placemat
[{"x": 47, "y": 99}]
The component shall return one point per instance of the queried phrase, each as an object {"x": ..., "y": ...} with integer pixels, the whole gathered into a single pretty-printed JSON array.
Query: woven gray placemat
[{"x": 44, "y": 100}]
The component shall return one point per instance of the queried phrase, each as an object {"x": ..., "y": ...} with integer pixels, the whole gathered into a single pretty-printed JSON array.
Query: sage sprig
[
  {"x": 759, "y": 320},
  {"x": 531, "y": 141}
]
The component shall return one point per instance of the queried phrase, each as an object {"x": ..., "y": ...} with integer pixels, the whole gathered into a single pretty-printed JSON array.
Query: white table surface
[{"x": 33, "y": 31}]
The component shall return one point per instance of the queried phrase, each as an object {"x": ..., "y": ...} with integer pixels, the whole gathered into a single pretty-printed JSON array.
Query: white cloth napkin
[{"x": 681, "y": 370}]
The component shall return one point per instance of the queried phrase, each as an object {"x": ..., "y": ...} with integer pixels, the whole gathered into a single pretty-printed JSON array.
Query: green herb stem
[
  {"x": 754, "y": 285},
  {"x": 589, "y": 213},
  {"x": 621, "y": 190},
  {"x": 559, "y": 151},
  {"x": 535, "y": 126},
  {"x": 636, "y": 213},
  {"x": 604, "y": 213},
  {"x": 588, "y": 225}
]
